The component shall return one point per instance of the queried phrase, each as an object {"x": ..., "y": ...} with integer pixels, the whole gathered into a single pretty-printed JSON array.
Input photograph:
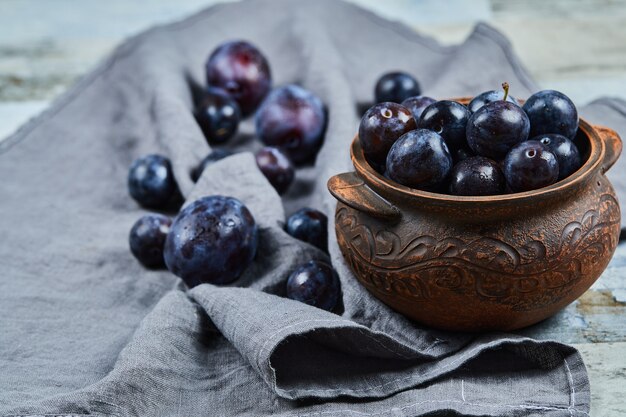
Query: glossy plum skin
[
  {"x": 496, "y": 127},
  {"x": 147, "y": 239},
  {"x": 380, "y": 127},
  {"x": 214, "y": 156},
  {"x": 550, "y": 111},
  {"x": 309, "y": 225},
  {"x": 530, "y": 165},
  {"x": 276, "y": 167},
  {"x": 566, "y": 153},
  {"x": 212, "y": 240},
  {"x": 448, "y": 119},
  {"x": 240, "y": 69},
  {"x": 396, "y": 87},
  {"x": 315, "y": 283},
  {"x": 218, "y": 116},
  {"x": 419, "y": 159},
  {"x": 294, "y": 120},
  {"x": 489, "y": 97},
  {"x": 151, "y": 181},
  {"x": 417, "y": 104},
  {"x": 476, "y": 176}
]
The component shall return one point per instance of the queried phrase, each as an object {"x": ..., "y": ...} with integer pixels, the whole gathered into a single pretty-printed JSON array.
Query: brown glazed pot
[{"x": 481, "y": 263}]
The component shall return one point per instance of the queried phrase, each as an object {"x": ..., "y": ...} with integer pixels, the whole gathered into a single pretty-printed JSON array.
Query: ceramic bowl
[{"x": 480, "y": 263}]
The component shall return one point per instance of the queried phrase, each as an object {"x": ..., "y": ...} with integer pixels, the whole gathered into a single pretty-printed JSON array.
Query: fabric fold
[
  {"x": 180, "y": 362},
  {"x": 303, "y": 352}
]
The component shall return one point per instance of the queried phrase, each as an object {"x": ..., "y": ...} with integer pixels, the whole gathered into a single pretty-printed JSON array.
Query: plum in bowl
[{"x": 481, "y": 263}]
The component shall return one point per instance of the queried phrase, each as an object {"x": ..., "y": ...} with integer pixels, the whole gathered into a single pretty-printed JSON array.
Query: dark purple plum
[
  {"x": 565, "y": 150},
  {"x": 419, "y": 159},
  {"x": 214, "y": 156},
  {"x": 417, "y": 104},
  {"x": 212, "y": 240},
  {"x": 315, "y": 283},
  {"x": 530, "y": 165},
  {"x": 550, "y": 111},
  {"x": 309, "y": 225},
  {"x": 147, "y": 239},
  {"x": 276, "y": 167},
  {"x": 218, "y": 116},
  {"x": 240, "y": 69},
  {"x": 489, "y": 97},
  {"x": 396, "y": 87},
  {"x": 476, "y": 176},
  {"x": 496, "y": 127},
  {"x": 380, "y": 127},
  {"x": 294, "y": 120},
  {"x": 448, "y": 119},
  {"x": 151, "y": 181}
]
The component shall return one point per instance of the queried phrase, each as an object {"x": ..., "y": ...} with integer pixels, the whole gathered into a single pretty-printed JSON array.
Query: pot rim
[{"x": 597, "y": 150}]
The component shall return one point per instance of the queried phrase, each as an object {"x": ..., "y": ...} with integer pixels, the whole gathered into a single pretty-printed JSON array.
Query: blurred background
[{"x": 575, "y": 46}]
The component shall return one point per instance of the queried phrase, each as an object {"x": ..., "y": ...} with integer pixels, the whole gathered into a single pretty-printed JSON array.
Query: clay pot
[{"x": 481, "y": 263}]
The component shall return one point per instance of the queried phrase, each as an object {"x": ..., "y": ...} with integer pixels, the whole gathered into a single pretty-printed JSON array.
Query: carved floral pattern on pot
[{"x": 498, "y": 271}]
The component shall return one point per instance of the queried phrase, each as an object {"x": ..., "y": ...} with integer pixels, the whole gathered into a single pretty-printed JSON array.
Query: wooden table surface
[{"x": 575, "y": 46}]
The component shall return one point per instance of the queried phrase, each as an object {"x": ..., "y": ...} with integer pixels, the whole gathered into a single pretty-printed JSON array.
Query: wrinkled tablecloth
[{"x": 86, "y": 330}]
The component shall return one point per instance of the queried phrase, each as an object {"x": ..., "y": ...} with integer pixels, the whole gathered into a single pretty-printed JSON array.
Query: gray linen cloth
[{"x": 86, "y": 330}]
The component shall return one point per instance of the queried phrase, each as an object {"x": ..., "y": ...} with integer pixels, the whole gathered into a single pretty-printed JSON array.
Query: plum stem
[{"x": 505, "y": 86}]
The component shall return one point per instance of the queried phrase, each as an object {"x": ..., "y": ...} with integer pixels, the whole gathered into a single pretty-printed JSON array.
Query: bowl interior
[{"x": 587, "y": 140}]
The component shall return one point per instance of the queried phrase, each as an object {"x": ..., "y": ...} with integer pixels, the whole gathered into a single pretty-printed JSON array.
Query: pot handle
[
  {"x": 612, "y": 145},
  {"x": 353, "y": 192}
]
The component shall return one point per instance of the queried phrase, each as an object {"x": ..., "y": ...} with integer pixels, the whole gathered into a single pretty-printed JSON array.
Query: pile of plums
[
  {"x": 491, "y": 146},
  {"x": 215, "y": 239},
  {"x": 290, "y": 120}
]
